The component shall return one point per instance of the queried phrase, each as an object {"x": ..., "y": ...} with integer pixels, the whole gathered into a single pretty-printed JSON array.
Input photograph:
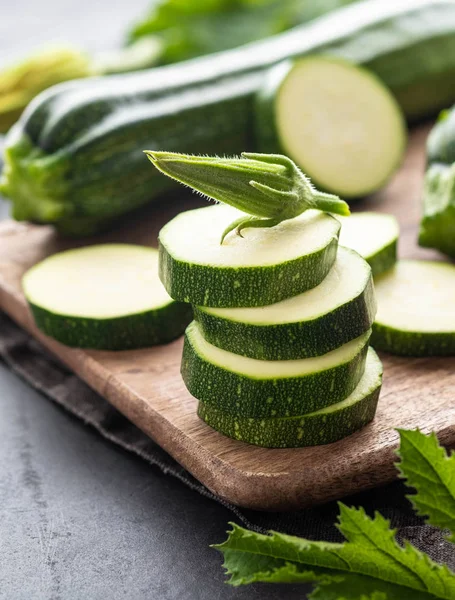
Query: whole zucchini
[{"x": 74, "y": 159}]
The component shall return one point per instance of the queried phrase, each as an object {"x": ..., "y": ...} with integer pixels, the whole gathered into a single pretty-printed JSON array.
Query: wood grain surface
[{"x": 146, "y": 386}]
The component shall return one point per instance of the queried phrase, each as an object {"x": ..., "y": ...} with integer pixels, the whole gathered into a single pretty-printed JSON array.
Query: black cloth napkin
[{"x": 26, "y": 357}]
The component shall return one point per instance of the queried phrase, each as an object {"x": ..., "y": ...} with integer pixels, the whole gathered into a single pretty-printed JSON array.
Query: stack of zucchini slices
[{"x": 278, "y": 353}]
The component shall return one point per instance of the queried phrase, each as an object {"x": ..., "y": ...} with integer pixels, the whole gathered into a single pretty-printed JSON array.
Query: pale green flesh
[
  {"x": 417, "y": 296},
  {"x": 266, "y": 369},
  {"x": 346, "y": 280},
  {"x": 99, "y": 282},
  {"x": 340, "y": 124},
  {"x": 368, "y": 232},
  {"x": 194, "y": 237}
]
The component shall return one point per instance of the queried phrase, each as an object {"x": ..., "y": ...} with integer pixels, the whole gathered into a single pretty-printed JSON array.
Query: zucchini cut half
[
  {"x": 322, "y": 427},
  {"x": 416, "y": 309},
  {"x": 337, "y": 121},
  {"x": 374, "y": 236},
  {"x": 261, "y": 388},
  {"x": 338, "y": 310},
  {"x": 106, "y": 297},
  {"x": 262, "y": 267}
]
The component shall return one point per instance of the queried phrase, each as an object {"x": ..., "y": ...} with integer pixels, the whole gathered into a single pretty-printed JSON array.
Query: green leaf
[
  {"x": 370, "y": 565},
  {"x": 362, "y": 588},
  {"x": 269, "y": 186},
  {"x": 186, "y": 29},
  {"x": 251, "y": 557},
  {"x": 428, "y": 469},
  {"x": 189, "y": 29}
]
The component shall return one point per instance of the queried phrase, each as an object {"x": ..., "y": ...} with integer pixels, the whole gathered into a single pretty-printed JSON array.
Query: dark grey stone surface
[{"x": 80, "y": 519}]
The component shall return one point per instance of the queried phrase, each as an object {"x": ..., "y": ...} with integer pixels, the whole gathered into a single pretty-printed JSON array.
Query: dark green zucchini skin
[
  {"x": 290, "y": 341},
  {"x": 384, "y": 259},
  {"x": 245, "y": 396},
  {"x": 75, "y": 157},
  {"x": 203, "y": 285},
  {"x": 300, "y": 431},
  {"x": 437, "y": 226},
  {"x": 140, "y": 330},
  {"x": 412, "y": 343},
  {"x": 296, "y": 432}
]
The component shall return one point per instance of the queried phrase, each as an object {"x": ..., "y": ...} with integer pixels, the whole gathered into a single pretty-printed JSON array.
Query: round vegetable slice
[
  {"x": 262, "y": 267},
  {"x": 107, "y": 297},
  {"x": 322, "y": 427},
  {"x": 261, "y": 388},
  {"x": 416, "y": 309},
  {"x": 374, "y": 236},
  {"x": 338, "y": 310},
  {"x": 338, "y": 122}
]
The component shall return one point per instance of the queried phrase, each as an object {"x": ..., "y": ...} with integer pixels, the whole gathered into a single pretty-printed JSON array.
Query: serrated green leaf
[
  {"x": 369, "y": 562},
  {"x": 372, "y": 545},
  {"x": 428, "y": 469},
  {"x": 362, "y": 588},
  {"x": 250, "y": 557}
]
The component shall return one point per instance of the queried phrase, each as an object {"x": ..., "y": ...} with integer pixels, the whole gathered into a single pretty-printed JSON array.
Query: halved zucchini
[
  {"x": 107, "y": 297},
  {"x": 262, "y": 388},
  {"x": 322, "y": 427},
  {"x": 337, "y": 121},
  {"x": 338, "y": 310}
]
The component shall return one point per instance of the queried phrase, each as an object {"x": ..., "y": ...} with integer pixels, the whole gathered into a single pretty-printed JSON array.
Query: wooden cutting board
[{"x": 145, "y": 385}]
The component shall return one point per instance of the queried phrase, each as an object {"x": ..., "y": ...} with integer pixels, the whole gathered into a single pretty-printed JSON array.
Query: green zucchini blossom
[{"x": 269, "y": 187}]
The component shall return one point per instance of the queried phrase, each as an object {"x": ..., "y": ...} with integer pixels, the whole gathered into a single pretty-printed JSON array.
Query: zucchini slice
[
  {"x": 337, "y": 121},
  {"x": 338, "y": 310},
  {"x": 261, "y": 388},
  {"x": 416, "y": 309},
  {"x": 374, "y": 236},
  {"x": 262, "y": 267},
  {"x": 322, "y": 427},
  {"x": 107, "y": 297}
]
